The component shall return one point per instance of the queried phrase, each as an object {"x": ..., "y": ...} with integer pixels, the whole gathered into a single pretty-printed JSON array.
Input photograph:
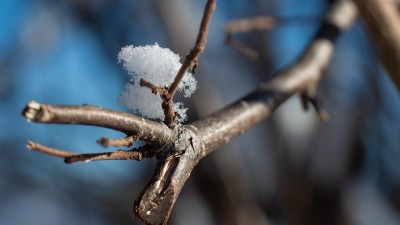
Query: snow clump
[{"x": 158, "y": 66}]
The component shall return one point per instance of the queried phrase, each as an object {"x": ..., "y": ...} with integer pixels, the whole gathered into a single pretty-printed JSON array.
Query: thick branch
[
  {"x": 144, "y": 129},
  {"x": 381, "y": 17},
  {"x": 303, "y": 75}
]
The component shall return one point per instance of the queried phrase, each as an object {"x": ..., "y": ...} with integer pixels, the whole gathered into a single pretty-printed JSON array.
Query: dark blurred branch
[
  {"x": 259, "y": 23},
  {"x": 382, "y": 20},
  {"x": 301, "y": 77},
  {"x": 247, "y": 25},
  {"x": 179, "y": 149}
]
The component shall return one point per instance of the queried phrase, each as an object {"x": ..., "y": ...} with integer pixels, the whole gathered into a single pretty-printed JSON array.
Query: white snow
[{"x": 159, "y": 66}]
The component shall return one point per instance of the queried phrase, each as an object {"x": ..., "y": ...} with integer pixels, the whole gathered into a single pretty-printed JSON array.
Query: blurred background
[{"x": 291, "y": 169}]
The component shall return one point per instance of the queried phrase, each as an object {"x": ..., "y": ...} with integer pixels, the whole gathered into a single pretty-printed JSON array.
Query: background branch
[
  {"x": 247, "y": 25},
  {"x": 302, "y": 76},
  {"x": 382, "y": 20}
]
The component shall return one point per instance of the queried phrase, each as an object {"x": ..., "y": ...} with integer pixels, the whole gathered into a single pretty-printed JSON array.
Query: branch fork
[{"x": 167, "y": 93}]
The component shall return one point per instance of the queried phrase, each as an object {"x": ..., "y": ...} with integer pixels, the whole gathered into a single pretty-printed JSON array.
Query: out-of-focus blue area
[
  {"x": 64, "y": 52},
  {"x": 56, "y": 60}
]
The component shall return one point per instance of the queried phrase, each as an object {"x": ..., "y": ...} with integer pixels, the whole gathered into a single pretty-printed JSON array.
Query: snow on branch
[{"x": 158, "y": 66}]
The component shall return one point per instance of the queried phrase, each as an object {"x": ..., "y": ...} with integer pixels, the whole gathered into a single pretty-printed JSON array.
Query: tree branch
[
  {"x": 302, "y": 76},
  {"x": 70, "y": 157},
  {"x": 247, "y": 25},
  {"x": 107, "y": 142},
  {"x": 192, "y": 57},
  {"x": 382, "y": 20},
  {"x": 189, "y": 63},
  {"x": 142, "y": 128}
]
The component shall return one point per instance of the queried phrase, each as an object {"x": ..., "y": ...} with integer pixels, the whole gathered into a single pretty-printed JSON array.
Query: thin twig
[
  {"x": 50, "y": 151},
  {"x": 70, "y": 157},
  {"x": 192, "y": 57},
  {"x": 154, "y": 89},
  {"x": 119, "y": 142},
  {"x": 250, "y": 24},
  {"x": 242, "y": 48},
  {"x": 247, "y": 25},
  {"x": 189, "y": 63}
]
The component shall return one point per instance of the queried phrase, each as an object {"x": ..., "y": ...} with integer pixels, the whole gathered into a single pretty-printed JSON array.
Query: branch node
[{"x": 162, "y": 91}]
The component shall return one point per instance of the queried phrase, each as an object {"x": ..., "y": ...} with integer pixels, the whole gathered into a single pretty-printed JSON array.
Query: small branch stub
[{"x": 107, "y": 142}]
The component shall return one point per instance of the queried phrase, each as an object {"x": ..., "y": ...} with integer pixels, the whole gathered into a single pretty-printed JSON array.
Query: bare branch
[
  {"x": 70, "y": 157},
  {"x": 167, "y": 94},
  {"x": 192, "y": 57},
  {"x": 304, "y": 74},
  {"x": 107, "y": 142},
  {"x": 154, "y": 89},
  {"x": 382, "y": 20},
  {"x": 189, "y": 63},
  {"x": 247, "y": 25},
  {"x": 50, "y": 151},
  {"x": 144, "y": 129}
]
